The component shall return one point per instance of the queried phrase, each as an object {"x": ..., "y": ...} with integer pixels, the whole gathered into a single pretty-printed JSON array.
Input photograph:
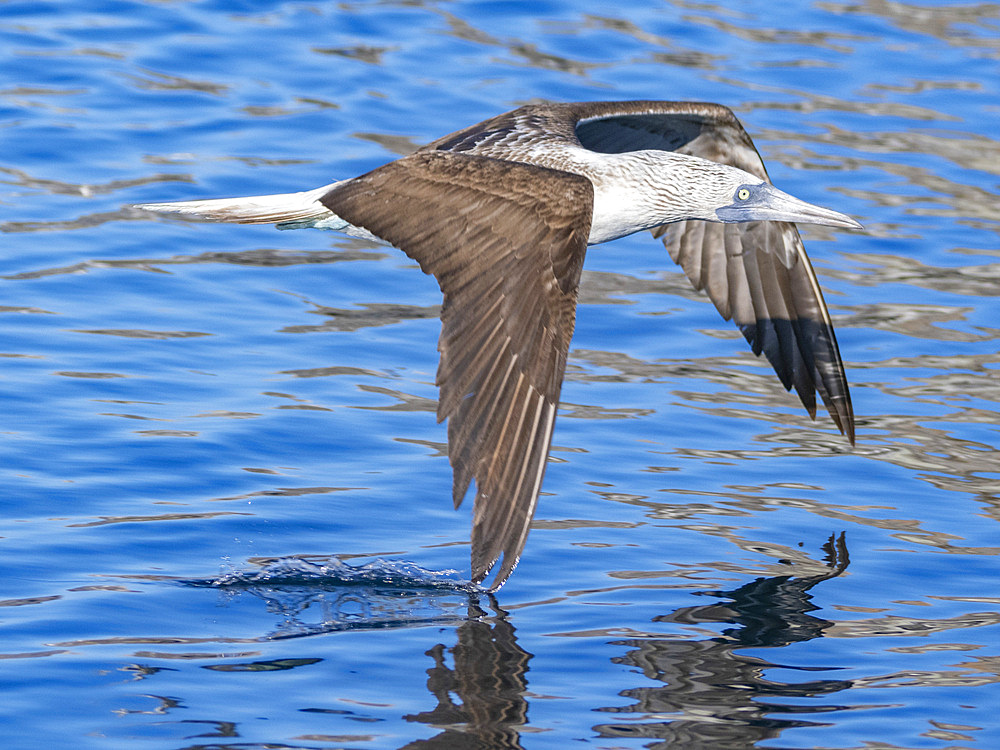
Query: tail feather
[{"x": 302, "y": 208}]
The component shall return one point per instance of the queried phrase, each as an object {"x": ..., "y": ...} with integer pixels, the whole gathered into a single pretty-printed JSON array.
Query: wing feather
[{"x": 507, "y": 319}]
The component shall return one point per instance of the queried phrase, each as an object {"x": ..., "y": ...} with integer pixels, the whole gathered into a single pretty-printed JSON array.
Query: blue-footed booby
[{"x": 501, "y": 214}]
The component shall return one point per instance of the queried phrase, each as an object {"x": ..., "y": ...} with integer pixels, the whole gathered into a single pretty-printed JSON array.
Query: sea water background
[{"x": 184, "y": 403}]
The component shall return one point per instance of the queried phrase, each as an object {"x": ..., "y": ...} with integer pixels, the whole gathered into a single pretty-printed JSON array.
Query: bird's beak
[{"x": 767, "y": 203}]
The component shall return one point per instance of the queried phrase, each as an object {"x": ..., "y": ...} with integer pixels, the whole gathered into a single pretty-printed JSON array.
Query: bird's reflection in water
[
  {"x": 711, "y": 697},
  {"x": 489, "y": 678},
  {"x": 714, "y": 697}
]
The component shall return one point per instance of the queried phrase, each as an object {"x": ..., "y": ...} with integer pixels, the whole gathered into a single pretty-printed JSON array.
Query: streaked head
[{"x": 689, "y": 187}]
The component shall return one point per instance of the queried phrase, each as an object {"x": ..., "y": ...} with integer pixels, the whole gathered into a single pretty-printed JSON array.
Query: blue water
[{"x": 226, "y": 507}]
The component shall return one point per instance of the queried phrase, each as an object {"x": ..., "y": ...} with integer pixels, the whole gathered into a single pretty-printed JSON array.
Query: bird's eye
[{"x": 743, "y": 194}]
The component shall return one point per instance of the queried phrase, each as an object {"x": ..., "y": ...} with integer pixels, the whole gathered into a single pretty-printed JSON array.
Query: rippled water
[{"x": 226, "y": 498}]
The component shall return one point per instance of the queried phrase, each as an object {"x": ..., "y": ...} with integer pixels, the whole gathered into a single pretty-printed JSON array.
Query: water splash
[
  {"x": 335, "y": 573},
  {"x": 330, "y": 596}
]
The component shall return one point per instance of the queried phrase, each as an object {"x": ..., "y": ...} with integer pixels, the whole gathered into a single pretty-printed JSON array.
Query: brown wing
[
  {"x": 506, "y": 243},
  {"x": 757, "y": 273}
]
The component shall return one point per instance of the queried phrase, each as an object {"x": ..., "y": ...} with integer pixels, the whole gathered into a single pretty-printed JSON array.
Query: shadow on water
[{"x": 711, "y": 695}]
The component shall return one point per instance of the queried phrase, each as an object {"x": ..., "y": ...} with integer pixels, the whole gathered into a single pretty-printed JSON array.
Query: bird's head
[
  {"x": 756, "y": 200},
  {"x": 731, "y": 195}
]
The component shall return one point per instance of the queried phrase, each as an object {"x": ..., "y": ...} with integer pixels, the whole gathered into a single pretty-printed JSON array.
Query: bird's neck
[{"x": 637, "y": 191}]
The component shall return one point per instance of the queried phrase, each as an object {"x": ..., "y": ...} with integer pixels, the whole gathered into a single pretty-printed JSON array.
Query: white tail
[{"x": 291, "y": 209}]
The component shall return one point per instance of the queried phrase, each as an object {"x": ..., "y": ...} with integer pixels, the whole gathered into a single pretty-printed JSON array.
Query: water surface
[{"x": 203, "y": 425}]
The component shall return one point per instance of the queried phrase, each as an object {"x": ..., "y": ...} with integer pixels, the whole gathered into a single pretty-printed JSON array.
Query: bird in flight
[{"x": 501, "y": 214}]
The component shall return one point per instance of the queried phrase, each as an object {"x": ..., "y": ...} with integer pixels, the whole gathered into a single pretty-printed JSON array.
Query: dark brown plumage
[{"x": 507, "y": 317}]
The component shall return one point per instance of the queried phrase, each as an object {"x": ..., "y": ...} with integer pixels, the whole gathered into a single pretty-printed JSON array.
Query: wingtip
[
  {"x": 846, "y": 429},
  {"x": 481, "y": 570},
  {"x": 849, "y": 432},
  {"x": 498, "y": 580},
  {"x": 843, "y": 417}
]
